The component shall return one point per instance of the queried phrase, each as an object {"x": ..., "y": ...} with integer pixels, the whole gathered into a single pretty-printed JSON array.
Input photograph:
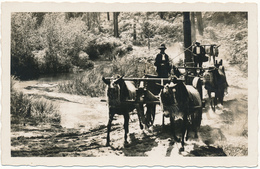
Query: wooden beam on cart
[
  {"x": 206, "y": 68},
  {"x": 141, "y": 79}
]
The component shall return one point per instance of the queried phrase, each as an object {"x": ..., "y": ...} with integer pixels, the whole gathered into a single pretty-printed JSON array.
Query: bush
[
  {"x": 106, "y": 47},
  {"x": 64, "y": 40}
]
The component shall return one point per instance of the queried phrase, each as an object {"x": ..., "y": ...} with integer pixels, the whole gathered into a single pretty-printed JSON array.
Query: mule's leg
[
  {"x": 140, "y": 123},
  {"x": 111, "y": 116},
  {"x": 150, "y": 114},
  {"x": 221, "y": 97},
  {"x": 126, "y": 124},
  {"x": 190, "y": 126},
  {"x": 216, "y": 100},
  {"x": 210, "y": 99},
  {"x": 163, "y": 121},
  {"x": 198, "y": 121},
  {"x": 140, "y": 114},
  {"x": 184, "y": 128},
  {"x": 153, "y": 107},
  {"x": 173, "y": 128}
]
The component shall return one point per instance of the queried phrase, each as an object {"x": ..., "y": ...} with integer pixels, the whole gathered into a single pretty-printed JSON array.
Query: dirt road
[{"x": 82, "y": 131}]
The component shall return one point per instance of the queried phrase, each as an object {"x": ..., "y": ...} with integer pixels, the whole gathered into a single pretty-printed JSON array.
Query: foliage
[
  {"x": 103, "y": 46},
  {"x": 44, "y": 43},
  {"x": 231, "y": 32},
  {"x": 23, "y": 63},
  {"x": 227, "y": 18},
  {"x": 64, "y": 41},
  {"x": 91, "y": 84}
]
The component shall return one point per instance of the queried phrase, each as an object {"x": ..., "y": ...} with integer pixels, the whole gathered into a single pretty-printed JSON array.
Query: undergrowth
[
  {"x": 31, "y": 109},
  {"x": 91, "y": 84}
]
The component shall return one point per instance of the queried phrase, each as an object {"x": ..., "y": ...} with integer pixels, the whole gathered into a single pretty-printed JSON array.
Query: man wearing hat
[
  {"x": 198, "y": 54},
  {"x": 162, "y": 62}
]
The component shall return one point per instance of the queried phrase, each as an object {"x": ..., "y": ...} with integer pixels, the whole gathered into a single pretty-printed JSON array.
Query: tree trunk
[
  {"x": 193, "y": 28},
  {"x": 161, "y": 14},
  {"x": 148, "y": 43},
  {"x": 88, "y": 20},
  {"x": 188, "y": 60},
  {"x": 134, "y": 34},
  {"x": 115, "y": 18},
  {"x": 108, "y": 18},
  {"x": 200, "y": 23},
  {"x": 187, "y": 36}
]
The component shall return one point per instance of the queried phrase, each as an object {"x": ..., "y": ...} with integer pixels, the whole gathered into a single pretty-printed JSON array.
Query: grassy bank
[{"x": 31, "y": 109}]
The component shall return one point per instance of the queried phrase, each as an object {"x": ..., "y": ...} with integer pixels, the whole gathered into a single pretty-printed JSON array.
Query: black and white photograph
[{"x": 130, "y": 83}]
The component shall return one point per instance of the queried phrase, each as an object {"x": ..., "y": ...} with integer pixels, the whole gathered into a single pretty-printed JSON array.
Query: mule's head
[
  {"x": 113, "y": 90},
  {"x": 168, "y": 98},
  {"x": 215, "y": 49}
]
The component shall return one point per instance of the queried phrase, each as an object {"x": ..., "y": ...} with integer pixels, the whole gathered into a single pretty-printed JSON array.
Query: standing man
[
  {"x": 198, "y": 53},
  {"x": 162, "y": 63}
]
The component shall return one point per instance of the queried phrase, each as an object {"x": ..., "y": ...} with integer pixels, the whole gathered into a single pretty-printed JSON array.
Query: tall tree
[
  {"x": 148, "y": 31},
  {"x": 199, "y": 23},
  {"x": 115, "y": 19},
  {"x": 193, "y": 28},
  {"x": 108, "y": 17},
  {"x": 187, "y": 37},
  {"x": 161, "y": 14},
  {"x": 134, "y": 33}
]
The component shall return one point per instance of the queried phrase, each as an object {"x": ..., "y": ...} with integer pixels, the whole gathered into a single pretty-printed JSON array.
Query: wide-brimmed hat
[{"x": 162, "y": 46}]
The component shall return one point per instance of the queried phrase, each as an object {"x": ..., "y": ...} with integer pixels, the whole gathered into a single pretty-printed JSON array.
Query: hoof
[
  {"x": 196, "y": 136},
  {"x": 186, "y": 139},
  {"x": 107, "y": 144},
  {"x": 181, "y": 149},
  {"x": 126, "y": 142},
  {"x": 177, "y": 139},
  {"x": 141, "y": 127}
]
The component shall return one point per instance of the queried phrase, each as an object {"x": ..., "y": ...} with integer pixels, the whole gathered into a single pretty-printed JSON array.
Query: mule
[
  {"x": 150, "y": 91},
  {"x": 120, "y": 93},
  {"x": 182, "y": 101},
  {"x": 212, "y": 51},
  {"x": 215, "y": 82}
]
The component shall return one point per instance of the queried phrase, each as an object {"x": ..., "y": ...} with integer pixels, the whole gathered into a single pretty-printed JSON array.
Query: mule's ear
[
  {"x": 106, "y": 80},
  {"x": 159, "y": 85},
  {"x": 119, "y": 80},
  {"x": 172, "y": 85}
]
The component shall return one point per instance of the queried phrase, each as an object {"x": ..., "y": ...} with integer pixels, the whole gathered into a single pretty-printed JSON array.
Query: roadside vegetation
[
  {"x": 90, "y": 83},
  {"x": 31, "y": 110}
]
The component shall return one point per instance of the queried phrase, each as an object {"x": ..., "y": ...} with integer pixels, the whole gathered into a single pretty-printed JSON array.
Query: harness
[{"x": 114, "y": 102}]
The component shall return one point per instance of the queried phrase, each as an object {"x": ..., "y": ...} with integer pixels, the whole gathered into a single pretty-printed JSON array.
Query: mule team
[{"x": 177, "y": 98}]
